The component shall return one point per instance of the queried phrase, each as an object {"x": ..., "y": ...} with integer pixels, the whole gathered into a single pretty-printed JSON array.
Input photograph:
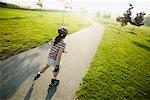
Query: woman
[{"x": 57, "y": 48}]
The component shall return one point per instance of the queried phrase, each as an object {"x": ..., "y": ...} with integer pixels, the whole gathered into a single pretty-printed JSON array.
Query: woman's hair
[{"x": 62, "y": 34}]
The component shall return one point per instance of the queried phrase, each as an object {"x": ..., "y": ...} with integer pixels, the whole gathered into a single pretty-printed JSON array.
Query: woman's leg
[
  {"x": 44, "y": 68},
  {"x": 55, "y": 72},
  {"x": 54, "y": 80}
]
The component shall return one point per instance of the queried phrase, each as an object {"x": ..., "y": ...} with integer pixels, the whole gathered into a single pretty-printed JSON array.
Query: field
[
  {"x": 21, "y": 30},
  {"x": 120, "y": 69}
]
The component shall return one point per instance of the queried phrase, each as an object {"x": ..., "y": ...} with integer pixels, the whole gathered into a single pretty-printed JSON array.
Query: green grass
[
  {"x": 120, "y": 69},
  {"x": 21, "y": 30}
]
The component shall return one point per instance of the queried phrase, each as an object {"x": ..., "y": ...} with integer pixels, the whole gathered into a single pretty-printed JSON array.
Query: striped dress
[{"x": 54, "y": 49}]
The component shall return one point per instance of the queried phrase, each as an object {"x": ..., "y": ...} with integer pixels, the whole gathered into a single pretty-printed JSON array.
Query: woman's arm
[{"x": 59, "y": 56}]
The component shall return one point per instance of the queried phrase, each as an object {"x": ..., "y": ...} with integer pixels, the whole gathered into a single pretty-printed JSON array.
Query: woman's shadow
[
  {"x": 28, "y": 95},
  {"x": 50, "y": 92}
]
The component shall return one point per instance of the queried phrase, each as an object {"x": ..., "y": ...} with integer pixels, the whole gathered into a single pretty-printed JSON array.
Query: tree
[
  {"x": 98, "y": 14},
  {"x": 138, "y": 20},
  {"x": 126, "y": 16},
  {"x": 107, "y": 15},
  {"x": 40, "y": 4}
]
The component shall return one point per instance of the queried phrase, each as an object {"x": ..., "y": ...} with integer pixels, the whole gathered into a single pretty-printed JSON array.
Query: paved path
[{"x": 18, "y": 72}]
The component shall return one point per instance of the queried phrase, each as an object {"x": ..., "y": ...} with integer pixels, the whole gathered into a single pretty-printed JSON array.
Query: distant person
[{"x": 57, "y": 47}]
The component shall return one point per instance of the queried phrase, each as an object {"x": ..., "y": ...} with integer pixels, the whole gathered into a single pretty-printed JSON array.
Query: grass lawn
[
  {"x": 120, "y": 69},
  {"x": 21, "y": 30}
]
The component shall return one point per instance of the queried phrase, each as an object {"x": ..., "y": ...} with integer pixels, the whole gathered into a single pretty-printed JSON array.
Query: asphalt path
[{"x": 17, "y": 72}]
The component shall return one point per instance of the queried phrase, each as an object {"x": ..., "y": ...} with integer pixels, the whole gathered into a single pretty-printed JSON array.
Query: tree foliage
[
  {"x": 138, "y": 20},
  {"x": 126, "y": 18}
]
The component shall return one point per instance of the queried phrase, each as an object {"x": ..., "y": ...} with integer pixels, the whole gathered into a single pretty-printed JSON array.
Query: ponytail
[{"x": 57, "y": 39}]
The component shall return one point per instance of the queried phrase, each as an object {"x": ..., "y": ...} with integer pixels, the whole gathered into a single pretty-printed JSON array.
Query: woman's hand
[{"x": 64, "y": 51}]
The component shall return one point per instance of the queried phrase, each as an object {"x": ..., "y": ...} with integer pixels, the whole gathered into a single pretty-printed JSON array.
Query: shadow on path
[
  {"x": 13, "y": 73},
  {"x": 50, "y": 92},
  {"x": 28, "y": 95}
]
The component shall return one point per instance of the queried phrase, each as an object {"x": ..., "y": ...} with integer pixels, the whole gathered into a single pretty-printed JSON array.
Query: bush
[
  {"x": 147, "y": 20},
  {"x": 98, "y": 14},
  {"x": 7, "y": 5},
  {"x": 107, "y": 16}
]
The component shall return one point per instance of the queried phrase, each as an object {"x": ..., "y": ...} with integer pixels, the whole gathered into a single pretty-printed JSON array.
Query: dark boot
[
  {"x": 36, "y": 77},
  {"x": 54, "y": 82}
]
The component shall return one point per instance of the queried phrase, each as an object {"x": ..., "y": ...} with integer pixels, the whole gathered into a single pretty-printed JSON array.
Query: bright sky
[{"x": 115, "y": 7}]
